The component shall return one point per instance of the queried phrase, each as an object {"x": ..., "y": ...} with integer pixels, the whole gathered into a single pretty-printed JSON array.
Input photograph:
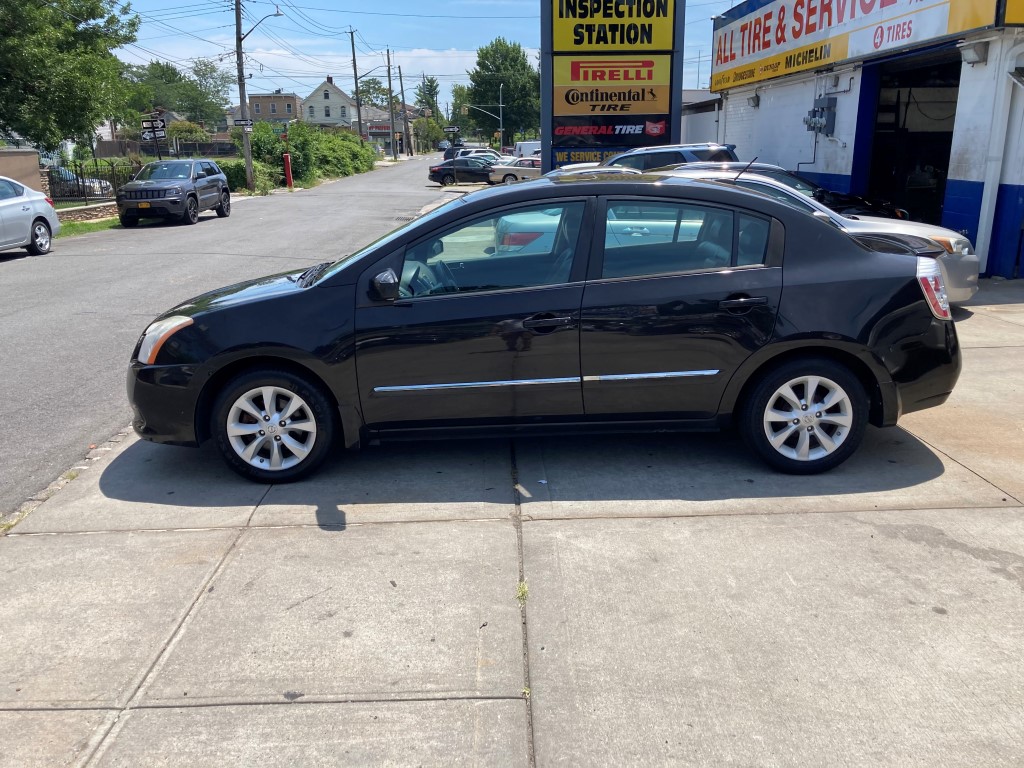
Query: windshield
[
  {"x": 391, "y": 236},
  {"x": 163, "y": 171},
  {"x": 803, "y": 186}
]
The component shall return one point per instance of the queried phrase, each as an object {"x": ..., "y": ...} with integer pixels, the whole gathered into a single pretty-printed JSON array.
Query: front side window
[
  {"x": 8, "y": 190},
  {"x": 651, "y": 238},
  {"x": 520, "y": 248}
]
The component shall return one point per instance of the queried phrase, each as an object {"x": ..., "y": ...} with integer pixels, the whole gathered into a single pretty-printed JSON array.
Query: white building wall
[
  {"x": 774, "y": 131},
  {"x": 700, "y": 128}
]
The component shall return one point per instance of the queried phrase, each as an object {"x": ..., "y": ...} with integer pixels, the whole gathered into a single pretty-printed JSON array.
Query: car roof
[{"x": 665, "y": 147}]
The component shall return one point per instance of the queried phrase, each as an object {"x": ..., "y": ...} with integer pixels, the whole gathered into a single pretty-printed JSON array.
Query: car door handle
[
  {"x": 548, "y": 321},
  {"x": 745, "y": 302},
  {"x": 25, "y": 208}
]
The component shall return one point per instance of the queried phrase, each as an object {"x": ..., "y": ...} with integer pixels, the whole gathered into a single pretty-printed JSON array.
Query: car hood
[
  {"x": 240, "y": 293},
  {"x": 157, "y": 184}
]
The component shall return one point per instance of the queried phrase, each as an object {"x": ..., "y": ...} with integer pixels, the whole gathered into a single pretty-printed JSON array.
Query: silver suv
[
  {"x": 646, "y": 158},
  {"x": 174, "y": 189}
]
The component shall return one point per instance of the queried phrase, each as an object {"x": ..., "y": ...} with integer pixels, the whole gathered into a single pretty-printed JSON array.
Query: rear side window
[
  {"x": 713, "y": 155},
  {"x": 209, "y": 168},
  {"x": 652, "y": 238},
  {"x": 661, "y": 159}
]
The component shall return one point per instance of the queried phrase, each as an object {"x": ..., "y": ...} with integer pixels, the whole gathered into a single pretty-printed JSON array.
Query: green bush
[{"x": 265, "y": 178}]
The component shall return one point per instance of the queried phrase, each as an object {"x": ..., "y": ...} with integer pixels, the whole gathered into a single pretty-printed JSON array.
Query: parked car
[
  {"x": 840, "y": 202},
  {"x": 174, "y": 189},
  {"x": 459, "y": 142},
  {"x": 65, "y": 183},
  {"x": 517, "y": 170},
  {"x": 956, "y": 254},
  {"x": 495, "y": 157},
  {"x": 460, "y": 170},
  {"x": 27, "y": 218},
  {"x": 593, "y": 170},
  {"x": 443, "y": 144},
  {"x": 430, "y": 332},
  {"x": 646, "y": 158}
]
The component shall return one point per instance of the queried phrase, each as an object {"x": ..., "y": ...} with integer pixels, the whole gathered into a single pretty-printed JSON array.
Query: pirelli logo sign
[{"x": 585, "y": 85}]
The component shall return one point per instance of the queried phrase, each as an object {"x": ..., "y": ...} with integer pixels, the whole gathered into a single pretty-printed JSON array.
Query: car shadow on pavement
[{"x": 474, "y": 479}]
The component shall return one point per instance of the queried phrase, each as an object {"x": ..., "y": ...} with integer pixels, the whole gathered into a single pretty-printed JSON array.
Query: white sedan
[
  {"x": 523, "y": 168},
  {"x": 27, "y": 218}
]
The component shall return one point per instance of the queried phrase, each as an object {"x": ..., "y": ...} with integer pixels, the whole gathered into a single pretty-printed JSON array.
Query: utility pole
[
  {"x": 355, "y": 76},
  {"x": 246, "y": 147},
  {"x": 391, "y": 111},
  {"x": 405, "y": 114}
]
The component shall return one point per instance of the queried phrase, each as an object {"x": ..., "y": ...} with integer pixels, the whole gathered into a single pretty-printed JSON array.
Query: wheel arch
[
  {"x": 217, "y": 381},
  {"x": 881, "y": 392}
]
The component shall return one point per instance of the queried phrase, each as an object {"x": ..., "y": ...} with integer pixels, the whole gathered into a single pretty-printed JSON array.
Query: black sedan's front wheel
[
  {"x": 806, "y": 416},
  {"x": 273, "y": 426},
  {"x": 447, "y": 180}
]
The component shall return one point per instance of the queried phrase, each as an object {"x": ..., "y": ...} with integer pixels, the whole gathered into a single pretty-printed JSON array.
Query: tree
[
  {"x": 427, "y": 93},
  {"x": 183, "y": 130},
  {"x": 60, "y": 78},
  {"x": 199, "y": 94},
  {"x": 208, "y": 97},
  {"x": 427, "y": 132},
  {"x": 461, "y": 99},
  {"x": 501, "y": 63},
  {"x": 373, "y": 92}
]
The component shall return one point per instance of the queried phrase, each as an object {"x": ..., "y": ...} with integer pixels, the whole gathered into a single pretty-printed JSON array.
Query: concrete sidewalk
[{"x": 599, "y": 601}]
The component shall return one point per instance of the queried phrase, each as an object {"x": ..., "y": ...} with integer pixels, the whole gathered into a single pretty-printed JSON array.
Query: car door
[
  {"x": 482, "y": 330},
  {"x": 15, "y": 214},
  {"x": 473, "y": 169},
  {"x": 211, "y": 184},
  {"x": 665, "y": 323}
]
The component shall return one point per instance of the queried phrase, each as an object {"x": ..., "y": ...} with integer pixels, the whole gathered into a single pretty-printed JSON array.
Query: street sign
[
  {"x": 247, "y": 128},
  {"x": 244, "y": 122},
  {"x": 150, "y": 135},
  {"x": 277, "y": 128},
  {"x": 157, "y": 123},
  {"x": 451, "y": 129}
]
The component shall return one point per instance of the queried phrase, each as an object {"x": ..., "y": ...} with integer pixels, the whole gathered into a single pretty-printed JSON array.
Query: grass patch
[
  {"x": 72, "y": 228},
  {"x": 522, "y": 592}
]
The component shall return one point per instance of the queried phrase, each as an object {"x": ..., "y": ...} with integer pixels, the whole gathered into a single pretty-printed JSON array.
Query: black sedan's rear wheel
[
  {"x": 806, "y": 416},
  {"x": 273, "y": 426},
  {"x": 447, "y": 180}
]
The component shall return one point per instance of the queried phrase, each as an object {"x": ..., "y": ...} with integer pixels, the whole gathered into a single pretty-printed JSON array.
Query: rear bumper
[
  {"x": 928, "y": 367},
  {"x": 163, "y": 400}
]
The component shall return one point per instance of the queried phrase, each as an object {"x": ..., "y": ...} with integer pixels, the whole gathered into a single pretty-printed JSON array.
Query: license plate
[{"x": 143, "y": 205}]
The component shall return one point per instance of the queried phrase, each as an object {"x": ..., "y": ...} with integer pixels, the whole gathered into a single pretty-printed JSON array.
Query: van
[{"x": 526, "y": 148}]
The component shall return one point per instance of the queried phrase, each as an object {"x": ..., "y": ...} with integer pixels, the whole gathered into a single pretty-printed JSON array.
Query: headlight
[
  {"x": 174, "y": 191},
  {"x": 958, "y": 245},
  {"x": 157, "y": 334}
]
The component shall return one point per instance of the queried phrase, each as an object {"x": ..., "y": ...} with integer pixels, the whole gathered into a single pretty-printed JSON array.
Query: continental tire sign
[{"x": 589, "y": 85}]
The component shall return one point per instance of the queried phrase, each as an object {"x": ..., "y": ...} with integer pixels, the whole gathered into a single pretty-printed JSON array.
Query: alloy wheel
[
  {"x": 41, "y": 237},
  {"x": 271, "y": 428},
  {"x": 808, "y": 418}
]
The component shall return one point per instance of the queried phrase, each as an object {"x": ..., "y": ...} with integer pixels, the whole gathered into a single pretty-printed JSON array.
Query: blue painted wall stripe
[
  {"x": 836, "y": 182},
  {"x": 961, "y": 207},
  {"x": 1005, "y": 251}
]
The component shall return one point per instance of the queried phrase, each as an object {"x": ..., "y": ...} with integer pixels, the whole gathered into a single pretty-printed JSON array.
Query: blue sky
[{"x": 296, "y": 51}]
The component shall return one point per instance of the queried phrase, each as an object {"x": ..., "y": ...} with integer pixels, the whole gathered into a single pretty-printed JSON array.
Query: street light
[
  {"x": 239, "y": 37},
  {"x": 501, "y": 111}
]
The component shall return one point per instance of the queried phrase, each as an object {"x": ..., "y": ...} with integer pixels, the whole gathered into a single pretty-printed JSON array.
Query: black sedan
[
  {"x": 460, "y": 170},
  {"x": 636, "y": 303}
]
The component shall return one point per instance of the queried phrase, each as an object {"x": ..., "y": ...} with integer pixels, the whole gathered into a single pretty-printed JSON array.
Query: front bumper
[
  {"x": 167, "y": 206},
  {"x": 163, "y": 400}
]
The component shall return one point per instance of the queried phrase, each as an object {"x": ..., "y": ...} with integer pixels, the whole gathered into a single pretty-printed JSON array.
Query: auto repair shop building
[{"x": 920, "y": 102}]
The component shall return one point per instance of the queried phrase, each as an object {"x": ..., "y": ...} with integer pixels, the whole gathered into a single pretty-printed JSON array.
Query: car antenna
[{"x": 745, "y": 169}]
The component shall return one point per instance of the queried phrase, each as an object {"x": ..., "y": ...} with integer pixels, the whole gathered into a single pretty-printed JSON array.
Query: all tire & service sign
[{"x": 611, "y": 74}]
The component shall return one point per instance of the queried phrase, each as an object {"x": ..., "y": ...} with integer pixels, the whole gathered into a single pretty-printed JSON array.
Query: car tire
[
  {"x": 805, "y": 416},
  {"x": 251, "y": 447},
  {"x": 128, "y": 221},
  {"x": 40, "y": 239},
  {"x": 447, "y": 180},
  {"x": 191, "y": 214},
  {"x": 224, "y": 209},
  {"x": 509, "y": 178}
]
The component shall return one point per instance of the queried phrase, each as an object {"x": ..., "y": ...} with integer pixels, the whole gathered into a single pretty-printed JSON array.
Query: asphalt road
[{"x": 69, "y": 320}]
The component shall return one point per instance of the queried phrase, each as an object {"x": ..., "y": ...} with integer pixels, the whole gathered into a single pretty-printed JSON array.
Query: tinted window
[
  {"x": 660, "y": 159},
  {"x": 655, "y": 238},
  {"x": 751, "y": 239},
  {"x": 520, "y": 248},
  {"x": 209, "y": 168},
  {"x": 713, "y": 155},
  {"x": 790, "y": 198}
]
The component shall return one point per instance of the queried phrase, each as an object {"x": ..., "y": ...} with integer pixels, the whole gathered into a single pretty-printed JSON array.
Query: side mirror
[{"x": 384, "y": 287}]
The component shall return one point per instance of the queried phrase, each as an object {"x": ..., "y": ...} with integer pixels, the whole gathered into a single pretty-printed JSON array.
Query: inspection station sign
[
  {"x": 610, "y": 70},
  {"x": 613, "y": 25},
  {"x": 757, "y": 41}
]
